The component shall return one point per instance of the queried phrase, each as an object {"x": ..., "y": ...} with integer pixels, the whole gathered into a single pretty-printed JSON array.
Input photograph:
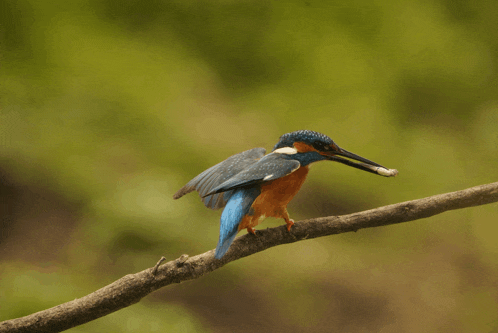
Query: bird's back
[{"x": 238, "y": 206}]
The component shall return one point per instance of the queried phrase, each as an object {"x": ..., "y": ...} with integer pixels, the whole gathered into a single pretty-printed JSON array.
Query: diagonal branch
[{"x": 133, "y": 287}]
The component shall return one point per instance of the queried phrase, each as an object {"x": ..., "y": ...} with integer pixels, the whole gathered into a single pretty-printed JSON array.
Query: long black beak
[{"x": 367, "y": 165}]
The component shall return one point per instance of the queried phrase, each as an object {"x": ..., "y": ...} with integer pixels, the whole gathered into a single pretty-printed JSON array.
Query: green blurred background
[{"x": 108, "y": 107}]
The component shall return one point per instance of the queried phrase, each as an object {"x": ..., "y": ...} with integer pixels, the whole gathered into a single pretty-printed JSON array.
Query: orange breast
[
  {"x": 278, "y": 193},
  {"x": 274, "y": 197}
]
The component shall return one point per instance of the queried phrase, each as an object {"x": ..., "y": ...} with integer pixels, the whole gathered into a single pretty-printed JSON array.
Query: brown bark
[{"x": 133, "y": 287}]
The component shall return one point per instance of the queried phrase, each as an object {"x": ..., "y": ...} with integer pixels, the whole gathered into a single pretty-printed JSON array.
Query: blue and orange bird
[{"x": 253, "y": 186}]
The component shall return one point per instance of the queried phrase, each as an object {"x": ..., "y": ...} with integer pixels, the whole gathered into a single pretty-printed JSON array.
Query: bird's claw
[{"x": 290, "y": 223}]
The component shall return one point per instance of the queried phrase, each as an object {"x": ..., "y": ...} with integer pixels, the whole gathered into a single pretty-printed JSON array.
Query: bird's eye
[{"x": 320, "y": 146}]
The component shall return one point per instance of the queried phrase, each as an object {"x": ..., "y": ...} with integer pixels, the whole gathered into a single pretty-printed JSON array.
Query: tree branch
[{"x": 133, "y": 287}]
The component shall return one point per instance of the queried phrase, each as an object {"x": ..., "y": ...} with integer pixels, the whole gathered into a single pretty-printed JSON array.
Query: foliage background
[{"x": 108, "y": 107}]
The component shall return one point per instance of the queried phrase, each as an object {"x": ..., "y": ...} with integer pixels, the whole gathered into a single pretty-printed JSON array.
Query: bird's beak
[{"x": 366, "y": 165}]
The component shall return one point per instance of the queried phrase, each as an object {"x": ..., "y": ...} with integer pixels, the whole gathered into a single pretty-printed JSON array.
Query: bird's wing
[
  {"x": 270, "y": 167},
  {"x": 218, "y": 174}
]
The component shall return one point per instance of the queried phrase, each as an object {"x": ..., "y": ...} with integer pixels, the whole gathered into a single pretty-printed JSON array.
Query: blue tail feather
[{"x": 237, "y": 206}]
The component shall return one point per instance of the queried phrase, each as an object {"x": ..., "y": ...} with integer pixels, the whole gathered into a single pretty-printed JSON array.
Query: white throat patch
[{"x": 286, "y": 150}]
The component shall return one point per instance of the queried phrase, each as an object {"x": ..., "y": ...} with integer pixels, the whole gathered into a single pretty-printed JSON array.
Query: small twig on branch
[{"x": 133, "y": 287}]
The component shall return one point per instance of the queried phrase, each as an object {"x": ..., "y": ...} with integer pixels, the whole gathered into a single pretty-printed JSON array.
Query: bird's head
[{"x": 308, "y": 146}]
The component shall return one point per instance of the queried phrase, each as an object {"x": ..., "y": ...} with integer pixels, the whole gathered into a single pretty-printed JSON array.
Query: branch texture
[{"x": 133, "y": 287}]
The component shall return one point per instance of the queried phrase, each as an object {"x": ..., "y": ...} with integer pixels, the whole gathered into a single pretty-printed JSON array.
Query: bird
[{"x": 252, "y": 186}]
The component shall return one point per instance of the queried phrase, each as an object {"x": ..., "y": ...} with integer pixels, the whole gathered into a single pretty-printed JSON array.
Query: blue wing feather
[
  {"x": 268, "y": 168},
  {"x": 216, "y": 175},
  {"x": 237, "y": 206}
]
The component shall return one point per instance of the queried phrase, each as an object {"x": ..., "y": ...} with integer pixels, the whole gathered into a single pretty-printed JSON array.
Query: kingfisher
[{"x": 252, "y": 186}]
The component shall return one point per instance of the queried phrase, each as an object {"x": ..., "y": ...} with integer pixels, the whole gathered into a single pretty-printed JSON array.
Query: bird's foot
[
  {"x": 290, "y": 223},
  {"x": 251, "y": 231}
]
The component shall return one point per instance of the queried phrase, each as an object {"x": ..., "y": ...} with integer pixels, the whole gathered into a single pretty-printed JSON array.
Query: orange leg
[
  {"x": 251, "y": 230},
  {"x": 288, "y": 220}
]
